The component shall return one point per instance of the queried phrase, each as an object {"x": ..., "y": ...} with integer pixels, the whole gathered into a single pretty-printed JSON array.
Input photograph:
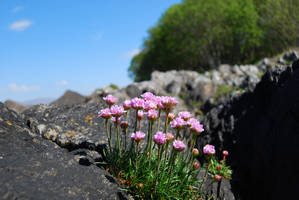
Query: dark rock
[
  {"x": 34, "y": 168},
  {"x": 291, "y": 56},
  {"x": 70, "y": 98},
  {"x": 261, "y": 130},
  {"x": 133, "y": 91}
]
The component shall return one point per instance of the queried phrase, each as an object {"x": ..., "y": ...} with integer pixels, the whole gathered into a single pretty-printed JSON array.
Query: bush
[
  {"x": 199, "y": 35},
  {"x": 164, "y": 168}
]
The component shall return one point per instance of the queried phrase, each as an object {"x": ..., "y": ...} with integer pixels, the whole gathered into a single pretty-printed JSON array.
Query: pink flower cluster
[
  {"x": 178, "y": 145},
  {"x": 110, "y": 100},
  {"x": 137, "y": 103},
  {"x": 152, "y": 114},
  {"x": 160, "y": 138},
  {"x": 185, "y": 115},
  {"x": 209, "y": 149},
  {"x": 138, "y": 136},
  {"x": 105, "y": 113},
  {"x": 178, "y": 123},
  {"x": 117, "y": 111},
  {"x": 195, "y": 126}
]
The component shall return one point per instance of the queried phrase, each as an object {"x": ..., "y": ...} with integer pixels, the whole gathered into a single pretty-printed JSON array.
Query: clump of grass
[{"x": 160, "y": 165}]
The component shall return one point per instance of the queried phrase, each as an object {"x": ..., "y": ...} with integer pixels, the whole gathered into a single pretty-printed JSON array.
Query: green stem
[
  {"x": 177, "y": 134},
  {"x": 151, "y": 138},
  {"x": 205, "y": 176},
  {"x": 108, "y": 134},
  {"x": 166, "y": 123},
  {"x": 159, "y": 119},
  {"x": 117, "y": 142},
  {"x": 160, "y": 151},
  {"x": 172, "y": 162},
  {"x": 136, "y": 164},
  {"x": 136, "y": 119}
]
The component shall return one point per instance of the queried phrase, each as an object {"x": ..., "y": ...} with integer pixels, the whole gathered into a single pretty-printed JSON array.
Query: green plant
[
  {"x": 161, "y": 165},
  {"x": 113, "y": 86}
]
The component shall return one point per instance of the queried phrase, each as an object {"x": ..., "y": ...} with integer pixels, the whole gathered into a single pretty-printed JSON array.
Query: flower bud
[
  {"x": 218, "y": 167},
  {"x": 170, "y": 116},
  {"x": 140, "y": 185},
  {"x": 195, "y": 165},
  {"x": 124, "y": 125},
  {"x": 217, "y": 177},
  {"x": 140, "y": 114},
  {"x": 169, "y": 137},
  {"x": 225, "y": 153},
  {"x": 195, "y": 152}
]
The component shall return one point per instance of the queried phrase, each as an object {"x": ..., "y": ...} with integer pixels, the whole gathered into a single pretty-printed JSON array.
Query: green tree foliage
[{"x": 200, "y": 34}]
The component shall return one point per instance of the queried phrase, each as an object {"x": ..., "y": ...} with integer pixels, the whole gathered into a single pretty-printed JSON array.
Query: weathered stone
[{"x": 35, "y": 168}]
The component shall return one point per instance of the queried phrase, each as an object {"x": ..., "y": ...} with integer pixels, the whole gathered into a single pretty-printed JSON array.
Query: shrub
[
  {"x": 165, "y": 167},
  {"x": 199, "y": 35}
]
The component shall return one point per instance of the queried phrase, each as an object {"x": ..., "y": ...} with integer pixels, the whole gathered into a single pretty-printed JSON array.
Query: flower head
[
  {"x": 160, "y": 138},
  {"x": 138, "y": 136},
  {"x": 169, "y": 137},
  {"x": 196, "y": 128},
  {"x": 209, "y": 149},
  {"x": 149, "y": 105},
  {"x": 110, "y": 100},
  {"x": 168, "y": 103},
  {"x": 152, "y": 114},
  {"x": 127, "y": 104},
  {"x": 178, "y": 145},
  {"x": 137, "y": 103},
  {"x": 147, "y": 96},
  {"x": 192, "y": 121},
  {"x": 225, "y": 153},
  {"x": 140, "y": 114},
  {"x": 219, "y": 167},
  {"x": 105, "y": 113},
  {"x": 178, "y": 123},
  {"x": 195, "y": 165},
  {"x": 185, "y": 115},
  {"x": 117, "y": 111},
  {"x": 170, "y": 116}
]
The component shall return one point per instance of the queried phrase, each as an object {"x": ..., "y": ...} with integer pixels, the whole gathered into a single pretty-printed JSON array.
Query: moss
[{"x": 113, "y": 86}]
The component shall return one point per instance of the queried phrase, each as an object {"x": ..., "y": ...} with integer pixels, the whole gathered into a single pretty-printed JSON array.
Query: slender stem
[
  {"x": 177, "y": 134},
  {"x": 158, "y": 167},
  {"x": 205, "y": 176},
  {"x": 151, "y": 138},
  {"x": 136, "y": 164},
  {"x": 159, "y": 119},
  {"x": 172, "y": 162},
  {"x": 218, "y": 189},
  {"x": 108, "y": 134},
  {"x": 136, "y": 117},
  {"x": 166, "y": 123},
  {"x": 139, "y": 124},
  {"x": 117, "y": 142}
]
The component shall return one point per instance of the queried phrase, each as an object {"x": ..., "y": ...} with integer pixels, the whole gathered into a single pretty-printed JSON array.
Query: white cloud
[
  {"x": 62, "y": 83},
  {"x": 17, "y": 9},
  {"x": 22, "y": 88},
  {"x": 20, "y": 25},
  {"x": 132, "y": 53}
]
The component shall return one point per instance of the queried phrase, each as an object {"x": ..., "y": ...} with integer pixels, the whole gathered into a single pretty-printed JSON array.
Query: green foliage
[
  {"x": 113, "y": 86},
  {"x": 199, "y": 34}
]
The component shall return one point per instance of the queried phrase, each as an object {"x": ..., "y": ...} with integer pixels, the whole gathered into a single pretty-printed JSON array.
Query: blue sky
[{"x": 49, "y": 46}]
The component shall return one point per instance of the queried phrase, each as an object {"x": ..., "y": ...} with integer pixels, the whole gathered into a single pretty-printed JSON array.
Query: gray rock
[{"x": 34, "y": 168}]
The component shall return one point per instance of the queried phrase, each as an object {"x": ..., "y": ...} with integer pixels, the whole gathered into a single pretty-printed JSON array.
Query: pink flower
[
  {"x": 191, "y": 121},
  {"x": 219, "y": 167},
  {"x": 195, "y": 152},
  {"x": 127, "y": 104},
  {"x": 147, "y": 96},
  {"x": 185, "y": 115},
  {"x": 124, "y": 125},
  {"x": 117, "y": 111},
  {"x": 140, "y": 114},
  {"x": 225, "y": 153},
  {"x": 137, "y": 103},
  {"x": 170, "y": 116},
  {"x": 105, "y": 113},
  {"x": 110, "y": 99},
  {"x": 169, "y": 137},
  {"x": 195, "y": 165},
  {"x": 178, "y": 145},
  {"x": 158, "y": 100},
  {"x": 217, "y": 177},
  {"x": 178, "y": 123},
  {"x": 197, "y": 128},
  {"x": 138, "y": 136},
  {"x": 168, "y": 103},
  {"x": 152, "y": 114},
  {"x": 209, "y": 149},
  {"x": 160, "y": 138},
  {"x": 149, "y": 105}
]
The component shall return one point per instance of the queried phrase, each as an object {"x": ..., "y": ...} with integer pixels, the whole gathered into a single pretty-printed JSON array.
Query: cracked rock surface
[{"x": 32, "y": 167}]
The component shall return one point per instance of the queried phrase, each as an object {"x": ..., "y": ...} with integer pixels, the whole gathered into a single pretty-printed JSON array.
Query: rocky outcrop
[
  {"x": 17, "y": 107},
  {"x": 70, "y": 98},
  {"x": 34, "y": 168},
  {"x": 261, "y": 129}
]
